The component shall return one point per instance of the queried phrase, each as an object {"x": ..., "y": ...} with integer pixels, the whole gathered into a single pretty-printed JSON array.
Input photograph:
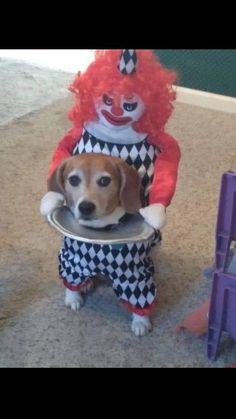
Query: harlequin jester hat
[
  {"x": 128, "y": 61},
  {"x": 126, "y": 72}
]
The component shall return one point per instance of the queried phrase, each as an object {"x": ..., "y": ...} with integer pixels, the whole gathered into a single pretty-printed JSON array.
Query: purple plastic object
[{"x": 222, "y": 314}]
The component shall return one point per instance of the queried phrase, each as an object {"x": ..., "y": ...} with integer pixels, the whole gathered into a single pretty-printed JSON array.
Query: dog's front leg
[
  {"x": 73, "y": 299},
  {"x": 141, "y": 325}
]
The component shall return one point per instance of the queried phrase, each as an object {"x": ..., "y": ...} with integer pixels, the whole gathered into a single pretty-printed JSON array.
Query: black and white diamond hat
[{"x": 128, "y": 62}]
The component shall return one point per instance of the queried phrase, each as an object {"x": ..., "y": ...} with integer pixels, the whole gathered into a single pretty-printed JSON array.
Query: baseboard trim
[{"x": 206, "y": 100}]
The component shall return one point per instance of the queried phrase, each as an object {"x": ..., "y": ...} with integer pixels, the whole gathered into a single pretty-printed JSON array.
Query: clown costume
[{"x": 123, "y": 102}]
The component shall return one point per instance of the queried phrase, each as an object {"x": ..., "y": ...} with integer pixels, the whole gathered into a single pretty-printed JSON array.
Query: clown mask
[{"x": 119, "y": 112}]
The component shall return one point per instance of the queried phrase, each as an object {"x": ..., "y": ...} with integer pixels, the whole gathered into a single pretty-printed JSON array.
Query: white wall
[{"x": 69, "y": 60}]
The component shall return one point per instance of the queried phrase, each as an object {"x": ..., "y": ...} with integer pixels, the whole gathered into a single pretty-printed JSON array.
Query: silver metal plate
[{"x": 133, "y": 231}]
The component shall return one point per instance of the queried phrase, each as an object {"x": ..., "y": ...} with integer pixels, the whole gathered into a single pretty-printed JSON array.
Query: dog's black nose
[{"x": 86, "y": 208}]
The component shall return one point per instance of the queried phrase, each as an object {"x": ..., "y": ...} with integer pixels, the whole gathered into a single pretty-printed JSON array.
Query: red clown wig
[{"x": 151, "y": 82}]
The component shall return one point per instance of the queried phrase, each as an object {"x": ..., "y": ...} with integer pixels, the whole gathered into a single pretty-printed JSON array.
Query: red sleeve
[
  {"x": 64, "y": 149},
  {"x": 166, "y": 171}
]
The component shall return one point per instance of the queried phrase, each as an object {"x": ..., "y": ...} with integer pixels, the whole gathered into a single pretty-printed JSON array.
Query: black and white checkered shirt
[{"x": 141, "y": 156}]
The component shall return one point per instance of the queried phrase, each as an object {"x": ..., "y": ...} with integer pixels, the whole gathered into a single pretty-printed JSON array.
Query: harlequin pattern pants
[{"x": 128, "y": 266}]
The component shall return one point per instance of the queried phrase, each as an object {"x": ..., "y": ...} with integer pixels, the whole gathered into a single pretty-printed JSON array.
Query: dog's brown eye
[
  {"x": 107, "y": 100},
  {"x": 74, "y": 180},
  {"x": 104, "y": 181}
]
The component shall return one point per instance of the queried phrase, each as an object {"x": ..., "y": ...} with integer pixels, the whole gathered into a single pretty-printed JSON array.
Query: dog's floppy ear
[
  {"x": 130, "y": 188},
  {"x": 56, "y": 181}
]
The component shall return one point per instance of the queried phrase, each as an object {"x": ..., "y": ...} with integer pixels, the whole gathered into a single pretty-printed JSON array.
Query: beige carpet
[{"x": 36, "y": 330}]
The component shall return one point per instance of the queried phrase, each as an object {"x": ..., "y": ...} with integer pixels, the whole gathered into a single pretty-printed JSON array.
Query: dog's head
[{"x": 94, "y": 185}]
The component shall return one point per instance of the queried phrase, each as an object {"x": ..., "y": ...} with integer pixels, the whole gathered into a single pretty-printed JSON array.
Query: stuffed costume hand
[
  {"x": 50, "y": 202},
  {"x": 154, "y": 215}
]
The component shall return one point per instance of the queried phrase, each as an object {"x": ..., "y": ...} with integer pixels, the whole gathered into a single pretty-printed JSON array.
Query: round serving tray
[{"x": 132, "y": 231}]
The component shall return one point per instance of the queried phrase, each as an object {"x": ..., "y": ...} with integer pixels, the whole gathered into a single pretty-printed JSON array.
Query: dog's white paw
[
  {"x": 141, "y": 325},
  {"x": 73, "y": 300}
]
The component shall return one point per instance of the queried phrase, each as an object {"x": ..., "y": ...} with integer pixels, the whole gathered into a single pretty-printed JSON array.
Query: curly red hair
[{"x": 152, "y": 82}]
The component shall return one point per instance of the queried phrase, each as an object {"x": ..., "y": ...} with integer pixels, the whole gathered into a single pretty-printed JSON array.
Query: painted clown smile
[{"x": 118, "y": 121}]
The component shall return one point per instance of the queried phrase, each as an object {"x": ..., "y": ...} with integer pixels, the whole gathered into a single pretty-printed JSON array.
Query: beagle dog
[{"x": 98, "y": 189}]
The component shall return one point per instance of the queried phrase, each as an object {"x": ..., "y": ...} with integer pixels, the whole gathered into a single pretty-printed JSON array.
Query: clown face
[{"x": 119, "y": 112}]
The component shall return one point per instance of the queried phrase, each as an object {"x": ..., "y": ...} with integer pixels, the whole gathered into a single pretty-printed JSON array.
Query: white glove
[
  {"x": 154, "y": 215},
  {"x": 50, "y": 202}
]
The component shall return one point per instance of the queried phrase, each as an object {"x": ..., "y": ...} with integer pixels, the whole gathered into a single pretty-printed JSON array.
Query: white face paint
[{"x": 119, "y": 114}]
